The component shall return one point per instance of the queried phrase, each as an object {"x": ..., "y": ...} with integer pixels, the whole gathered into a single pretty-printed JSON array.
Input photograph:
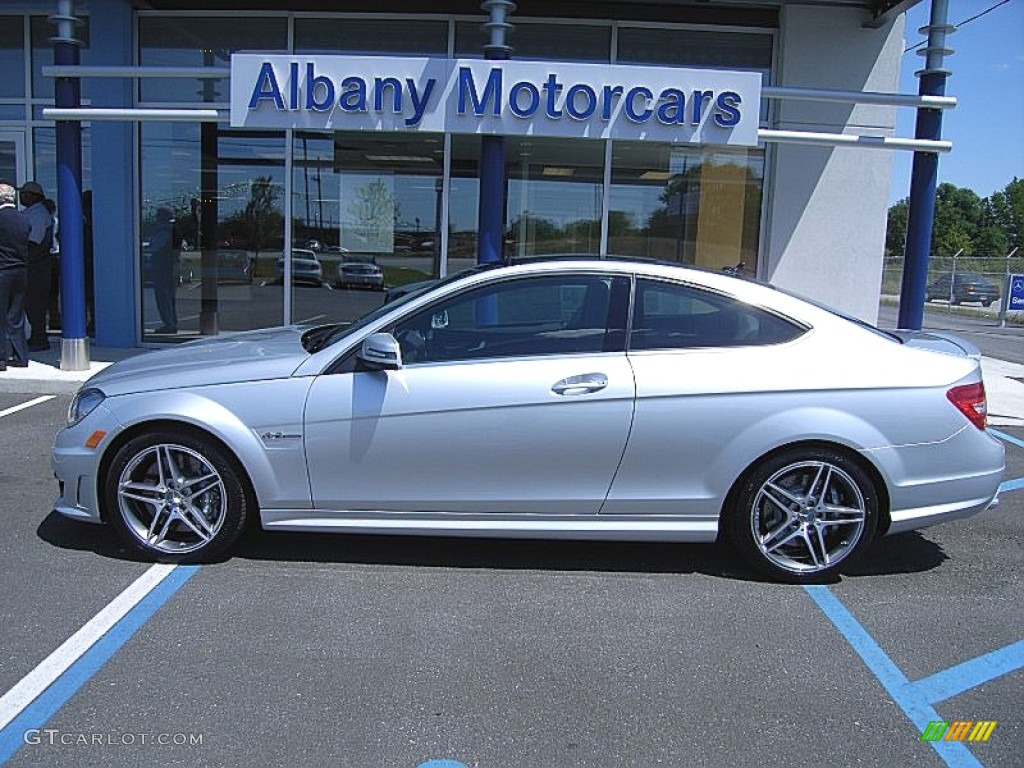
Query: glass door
[{"x": 12, "y": 157}]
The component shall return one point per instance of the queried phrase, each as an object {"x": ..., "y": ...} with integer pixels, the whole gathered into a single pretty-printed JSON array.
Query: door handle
[{"x": 580, "y": 385}]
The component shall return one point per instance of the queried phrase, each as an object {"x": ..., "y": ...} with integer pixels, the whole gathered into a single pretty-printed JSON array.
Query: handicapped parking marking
[
  {"x": 442, "y": 764},
  {"x": 916, "y": 698}
]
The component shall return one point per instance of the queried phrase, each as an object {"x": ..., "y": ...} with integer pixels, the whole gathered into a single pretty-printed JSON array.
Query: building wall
[
  {"x": 827, "y": 206},
  {"x": 114, "y": 211}
]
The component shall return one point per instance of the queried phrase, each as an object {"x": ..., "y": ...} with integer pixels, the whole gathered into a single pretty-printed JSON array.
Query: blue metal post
[
  {"x": 491, "y": 213},
  {"x": 74, "y": 342},
  {"x": 924, "y": 175}
]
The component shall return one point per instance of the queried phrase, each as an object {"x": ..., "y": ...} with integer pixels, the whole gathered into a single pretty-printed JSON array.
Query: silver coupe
[{"x": 576, "y": 398}]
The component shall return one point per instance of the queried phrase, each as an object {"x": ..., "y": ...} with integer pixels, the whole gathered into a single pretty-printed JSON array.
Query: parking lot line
[
  {"x": 23, "y": 406},
  {"x": 1008, "y": 438},
  {"x": 906, "y": 694},
  {"x": 970, "y": 674},
  {"x": 44, "y": 690}
]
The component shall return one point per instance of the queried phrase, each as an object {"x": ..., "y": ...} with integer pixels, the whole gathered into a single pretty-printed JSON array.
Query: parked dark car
[{"x": 964, "y": 287}]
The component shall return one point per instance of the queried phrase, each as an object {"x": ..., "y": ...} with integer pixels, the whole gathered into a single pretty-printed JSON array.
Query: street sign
[{"x": 1016, "y": 293}]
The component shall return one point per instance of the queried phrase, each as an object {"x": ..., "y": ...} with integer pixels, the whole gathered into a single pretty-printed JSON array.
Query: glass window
[
  {"x": 550, "y": 315},
  {"x": 539, "y": 40},
  {"x": 212, "y": 229},
  {"x": 204, "y": 41},
  {"x": 686, "y": 204},
  {"x": 12, "y": 57},
  {"x": 554, "y": 196},
  {"x": 42, "y": 55},
  {"x": 44, "y": 148},
  {"x": 695, "y": 48},
  {"x": 672, "y": 316},
  {"x": 369, "y": 207},
  {"x": 371, "y": 36}
]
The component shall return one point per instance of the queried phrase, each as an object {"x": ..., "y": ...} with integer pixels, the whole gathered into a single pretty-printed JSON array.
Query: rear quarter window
[{"x": 674, "y": 316}]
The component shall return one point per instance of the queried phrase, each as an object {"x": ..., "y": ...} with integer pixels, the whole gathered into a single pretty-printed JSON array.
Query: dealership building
[{"x": 273, "y": 142}]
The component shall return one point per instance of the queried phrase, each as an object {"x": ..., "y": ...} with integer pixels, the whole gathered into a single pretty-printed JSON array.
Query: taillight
[{"x": 970, "y": 401}]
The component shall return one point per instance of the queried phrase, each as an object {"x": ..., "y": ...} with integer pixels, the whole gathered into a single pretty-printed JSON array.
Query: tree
[
  {"x": 896, "y": 229},
  {"x": 991, "y": 226}
]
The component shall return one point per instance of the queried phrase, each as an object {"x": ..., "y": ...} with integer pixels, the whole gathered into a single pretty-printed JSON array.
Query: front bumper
[{"x": 76, "y": 467}]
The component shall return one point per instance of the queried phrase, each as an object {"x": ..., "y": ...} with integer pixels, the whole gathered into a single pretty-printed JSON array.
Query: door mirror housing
[{"x": 380, "y": 352}]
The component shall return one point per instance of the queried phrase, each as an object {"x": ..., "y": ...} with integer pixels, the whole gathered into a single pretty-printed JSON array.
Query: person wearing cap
[
  {"x": 14, "y": 233},
  {"x": 40, "y": 239}
]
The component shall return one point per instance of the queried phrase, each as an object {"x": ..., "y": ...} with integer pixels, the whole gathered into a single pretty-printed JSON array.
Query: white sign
[{"x": 514, "y": 98}]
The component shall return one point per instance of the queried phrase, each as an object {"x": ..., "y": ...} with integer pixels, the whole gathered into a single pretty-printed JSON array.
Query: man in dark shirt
[
  {"x": 14, "y": 232},
  {"x": 40, "y": 239}
]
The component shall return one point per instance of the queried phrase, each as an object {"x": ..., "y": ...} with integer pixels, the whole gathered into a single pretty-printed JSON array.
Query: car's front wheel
[
  {"x": 175, "y": 497},
  {"x": 801, "y": 515}
]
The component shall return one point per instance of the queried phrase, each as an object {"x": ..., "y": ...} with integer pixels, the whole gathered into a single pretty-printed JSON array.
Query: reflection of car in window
[
  {"x": 359, "y": 271},
  {"x": 306, "y": 267}
]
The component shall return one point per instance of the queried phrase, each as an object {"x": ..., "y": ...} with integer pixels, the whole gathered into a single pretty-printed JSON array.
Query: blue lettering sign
[
  {"x": 631, "y": 113},
  {"x": 672, "y": 109},
  {"x": 610, "y": 95},
  {"x": 353, "y": 95},
  {"x": 552, "y": 88},
  {"x": 379, "y": 85},
  {"x": 266, "y": 88},
  {"x": 571, "y": 101},
  {"x": 312, "y": 83},
  {"x": 419, "y": 103},
  {"x": 492, "y": 92},
  {"x": 515, "y": 104},
  {"x": 727, "y": 104}
]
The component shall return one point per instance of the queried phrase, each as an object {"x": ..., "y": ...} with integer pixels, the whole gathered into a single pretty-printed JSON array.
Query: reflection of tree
[
  {"x": 375, "y": 211},
  {"x": 264, "y": 221},
  {"x": 260, "y": 224}
]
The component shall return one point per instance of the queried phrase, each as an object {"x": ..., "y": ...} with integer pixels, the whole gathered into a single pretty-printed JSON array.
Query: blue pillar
[
  {"x": 491, "y": 222},
  {"x": 114, "y": 206},
  {"x": 924, "y": 176},
  {"x": 491, "y": 213},
  {"x": 74, "y": 344}
]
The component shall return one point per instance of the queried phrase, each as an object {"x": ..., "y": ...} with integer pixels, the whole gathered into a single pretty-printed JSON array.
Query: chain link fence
[{"x": 983, "y": 273}]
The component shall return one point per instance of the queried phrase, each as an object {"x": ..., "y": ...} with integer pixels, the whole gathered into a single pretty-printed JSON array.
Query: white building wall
[{"x": 827, "y": 206}]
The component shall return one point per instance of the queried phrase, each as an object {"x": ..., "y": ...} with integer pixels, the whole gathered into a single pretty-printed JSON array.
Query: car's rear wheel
[
  {"x": 801, "y": 515},
  {"x": 175, "y": 497},
  {"x": 986, "y": 302}
]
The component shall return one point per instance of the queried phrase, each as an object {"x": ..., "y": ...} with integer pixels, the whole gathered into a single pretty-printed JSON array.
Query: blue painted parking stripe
[
  {"x": 1011, "y": 485},
  {"x": 970, "y": 674},
  {"x": 1008, "y": 438},
  {"x": 918, "y": 710},
  {"x": 47, "y": 704}
]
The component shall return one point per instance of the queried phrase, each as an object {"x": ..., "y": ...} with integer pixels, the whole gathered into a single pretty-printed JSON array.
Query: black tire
[
  {"x": 176, "y": 497},
  {"x": 787, "y": 529},
  {"x": 986, "y": 302}
]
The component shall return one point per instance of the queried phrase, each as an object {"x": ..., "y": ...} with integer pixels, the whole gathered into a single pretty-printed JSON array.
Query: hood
[
  {"x": 250, "y": 356},
  {"x": 938, "y": 341}
]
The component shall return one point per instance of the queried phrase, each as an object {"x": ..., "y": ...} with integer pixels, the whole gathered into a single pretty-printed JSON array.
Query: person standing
[
  {"x": 14, "y": 239},
  {"x": 162, "y": 269},
  {"x": 40, "y": 239}
]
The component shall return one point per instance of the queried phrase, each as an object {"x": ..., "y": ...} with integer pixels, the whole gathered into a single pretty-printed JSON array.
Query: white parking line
[
  {"x": 23, "y": 406},
  {"x": 56, "y": 664}
]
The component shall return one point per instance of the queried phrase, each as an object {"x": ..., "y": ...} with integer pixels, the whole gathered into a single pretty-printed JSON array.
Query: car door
[
  {"x": 514, "y": 397},
  {"x": 697, "y": 356}
]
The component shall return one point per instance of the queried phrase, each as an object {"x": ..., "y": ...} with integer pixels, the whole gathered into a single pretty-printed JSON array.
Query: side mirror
[{"x": 380, "y": 352}]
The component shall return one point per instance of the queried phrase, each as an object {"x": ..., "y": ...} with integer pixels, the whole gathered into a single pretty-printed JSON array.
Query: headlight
[{"x": 83, "y": 404}]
